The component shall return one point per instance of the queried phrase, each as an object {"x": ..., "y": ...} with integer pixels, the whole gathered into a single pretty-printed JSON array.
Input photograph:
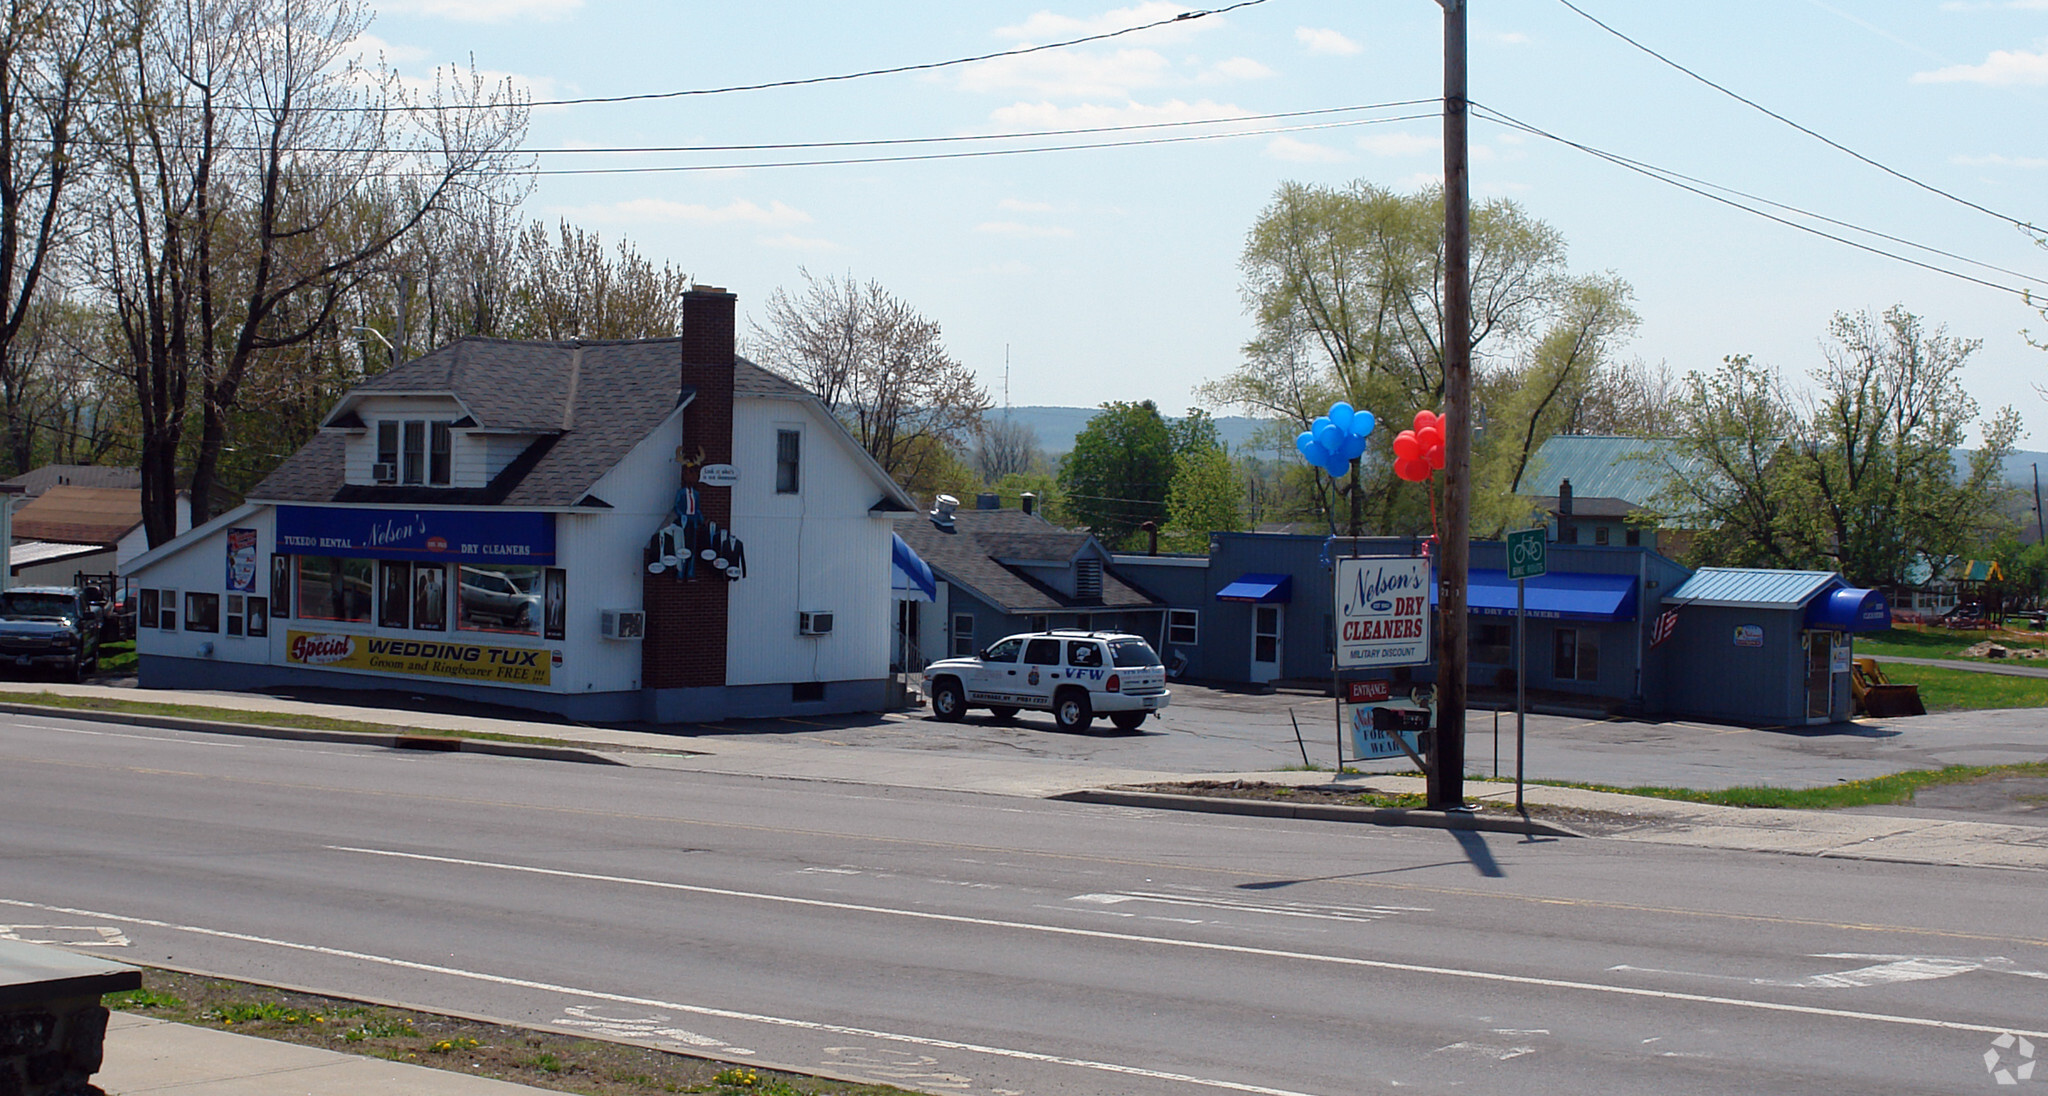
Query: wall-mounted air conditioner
[
  {"x": 622, "y": 623},
  {"x": 814, "y": 624},
  {"x": 384, "y": 473}
]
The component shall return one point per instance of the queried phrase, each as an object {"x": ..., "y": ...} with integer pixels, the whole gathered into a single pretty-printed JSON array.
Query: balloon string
[{"x": 1433, "y": 530}]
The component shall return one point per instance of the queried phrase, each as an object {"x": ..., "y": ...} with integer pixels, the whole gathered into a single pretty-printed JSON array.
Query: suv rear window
[
  {"x": 1081, "y": 652},
  {"x": 1129, "y": 653}
]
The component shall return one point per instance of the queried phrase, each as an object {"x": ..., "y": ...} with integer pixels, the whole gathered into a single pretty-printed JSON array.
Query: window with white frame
[
  {"x": 1184, "y": 626},
  {"x": 415, "y": 451}
]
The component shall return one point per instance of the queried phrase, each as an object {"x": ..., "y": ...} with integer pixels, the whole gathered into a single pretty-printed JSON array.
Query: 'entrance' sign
[{"x": 1382, "y": 611}]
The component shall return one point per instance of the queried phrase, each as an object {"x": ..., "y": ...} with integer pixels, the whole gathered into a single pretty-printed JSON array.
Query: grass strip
[
  {"x": 539, "y": 1059},
  {"x": 293, "y": 720},
  {"x": 1946, "y": 690},
  {"x": 1876, "y": 791}
]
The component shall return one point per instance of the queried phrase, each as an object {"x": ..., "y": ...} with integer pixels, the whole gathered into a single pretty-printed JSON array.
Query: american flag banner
[{"x": 1666, "y": 623}]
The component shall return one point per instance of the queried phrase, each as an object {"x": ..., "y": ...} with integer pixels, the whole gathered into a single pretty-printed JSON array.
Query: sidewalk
[{"x": 154, "y": 1056}]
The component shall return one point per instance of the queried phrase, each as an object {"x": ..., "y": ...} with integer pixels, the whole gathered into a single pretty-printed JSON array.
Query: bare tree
[
  {"x": 1004, "y": 446},
  {"x": 880, "y": 367},
  {"x": 254, "y": 176},
  {"x": 46, "y": 47}
]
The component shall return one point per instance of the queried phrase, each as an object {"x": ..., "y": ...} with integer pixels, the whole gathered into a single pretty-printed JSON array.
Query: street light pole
[{"x": 1446, "y": 789}]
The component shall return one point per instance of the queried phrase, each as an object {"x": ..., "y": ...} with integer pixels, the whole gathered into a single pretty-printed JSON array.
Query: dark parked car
[
  {"x": 118, "y": 618},
  {"x": 1966, "y": 618},
  {"x": 50, "y": 628}
]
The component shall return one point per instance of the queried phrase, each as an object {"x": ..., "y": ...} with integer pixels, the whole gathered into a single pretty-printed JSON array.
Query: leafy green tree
[
  {"x": 1116, "y": 477},
  {"x": 1206, "y": 496},
  {"x": 1345, "y": 288},
  {"x": 1862, "y": 479}
]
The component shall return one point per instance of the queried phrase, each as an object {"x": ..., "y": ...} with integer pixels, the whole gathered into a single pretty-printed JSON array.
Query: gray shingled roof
[
  {"x": 968, "y": 557},
  {"x": 587, "y": 410},
  {"x": 77, "y": 475}
]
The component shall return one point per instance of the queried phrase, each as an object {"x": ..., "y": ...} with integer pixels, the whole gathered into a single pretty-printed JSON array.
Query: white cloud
[
  {"x": 1236, "y": 68},
  {"x": 1400, "y": 144},
  {"x": 1047, "y": 26},
  {"x": 1070, "y": 75},
  {"x": 1019, "y": 205},
  {"x": 368, "y": 48},
  {"x": 774, "y": 215},
  {"x": 2004, "y": 67},
  {"x": 791, "y": 242},
  {"x": 1997, "y": 160},
  {"x": 1010, "y": 269},
  {"x": 1303, "y": 152},
  {"x": 1053, "y": 116},
  {"x": 1326, "y": 41},
  {"x": 481, "y": 11},
  {"x": 1512, "y": 38},
  {"x": 1021, "y": 231}
]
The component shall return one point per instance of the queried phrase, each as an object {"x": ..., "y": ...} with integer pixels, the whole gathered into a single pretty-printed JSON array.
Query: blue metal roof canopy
[
  {"x": 1259, "y": 588},
  {"x": 1555, "y": 596}
]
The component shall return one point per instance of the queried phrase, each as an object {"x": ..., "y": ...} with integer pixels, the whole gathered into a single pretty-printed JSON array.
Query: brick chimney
[{"x": 686, "y": 620}]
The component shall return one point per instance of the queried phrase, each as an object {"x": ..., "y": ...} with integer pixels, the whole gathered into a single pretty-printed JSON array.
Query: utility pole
[
  {"x": 2038, "y": 531},
  {"x": 1447, "y": 769}
]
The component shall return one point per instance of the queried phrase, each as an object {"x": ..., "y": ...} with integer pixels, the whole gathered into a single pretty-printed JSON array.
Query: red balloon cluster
[{"x": 1418, "y": 453}]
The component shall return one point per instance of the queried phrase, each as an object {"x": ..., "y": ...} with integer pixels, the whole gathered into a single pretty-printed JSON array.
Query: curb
[
  {"x": 1316, "y": 812},
  {"x": 397, "y": 740}
]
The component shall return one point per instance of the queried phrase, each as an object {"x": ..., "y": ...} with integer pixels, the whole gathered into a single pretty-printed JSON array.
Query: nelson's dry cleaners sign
[{"x": 1382, "y": 611}]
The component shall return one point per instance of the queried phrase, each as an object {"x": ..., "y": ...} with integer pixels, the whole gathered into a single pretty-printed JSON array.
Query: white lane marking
[
  {"x": 1239, "y": 905},
  {"x": 646, "y": 1029},
  {"x": 1487, "y": 1050},
  {"x": 1231, "y": 949},
  {"x": 66, "y": 936},
  {"x": 144, "y": 737},
  {"x": 677, "y": 1006},
  {"x": 894, "y": 1065},
  {"x": 1889, "y": 970}
]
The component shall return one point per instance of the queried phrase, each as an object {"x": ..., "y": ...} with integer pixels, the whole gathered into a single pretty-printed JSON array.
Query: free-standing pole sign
[
  {"x": 1526, "y": 560},
  {"x": 1382, "y": 611}
]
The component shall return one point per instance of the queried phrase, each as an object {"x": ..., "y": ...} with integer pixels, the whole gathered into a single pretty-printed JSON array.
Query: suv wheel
[
  {"x": 1071, "y": 710},
  {"x": 1003, "y": 714},
  {"x": 1127, "y": 721},
  {"x": 949, "y": 703}
]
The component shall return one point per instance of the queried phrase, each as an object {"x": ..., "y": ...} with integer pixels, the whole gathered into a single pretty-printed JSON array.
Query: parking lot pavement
[{"x": 1212, "y": 730}]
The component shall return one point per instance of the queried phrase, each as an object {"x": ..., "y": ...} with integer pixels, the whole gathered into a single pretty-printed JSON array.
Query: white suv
[{"x": 1073, "y": 674}]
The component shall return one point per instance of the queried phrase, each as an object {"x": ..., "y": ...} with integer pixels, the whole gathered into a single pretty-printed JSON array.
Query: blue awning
[
  {"x": 1259, "y": 588},
  {"x": 1555, "y": 596},
  {"x": 1849, "y": 610},
  {"x": 911, "y": 576}
]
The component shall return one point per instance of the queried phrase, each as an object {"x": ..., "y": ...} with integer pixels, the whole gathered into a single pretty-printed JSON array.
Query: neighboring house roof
[
  {"x": 1589, "y": 506},
  {"x": 76, "y": 475},
  {"x": 29, "y": 553},
  {"x": 80, "y": 515},
  {"x": 1633, "y": 470},
  {"x": 984, "y": 552},
  {"x": 1752, "y": 587},
  {"x": 587, "y": 402},
  {"x": 1979, "y": 570}
]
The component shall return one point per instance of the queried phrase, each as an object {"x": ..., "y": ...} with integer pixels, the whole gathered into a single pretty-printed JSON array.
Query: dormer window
[{"x": 413, "y": 451}]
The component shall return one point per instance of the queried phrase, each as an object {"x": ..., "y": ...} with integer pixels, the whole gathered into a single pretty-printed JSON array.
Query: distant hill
[{"x": 1056, "y": 427}]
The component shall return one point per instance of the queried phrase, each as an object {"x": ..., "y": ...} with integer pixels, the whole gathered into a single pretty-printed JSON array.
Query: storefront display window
[
  {"x": 505, "y": 598},
  {"x": 202, "y": 612},
  {"x": 334, "y": 589},
  {"x": 394, "y": 595},
  {"x": 430, "y": 598}
]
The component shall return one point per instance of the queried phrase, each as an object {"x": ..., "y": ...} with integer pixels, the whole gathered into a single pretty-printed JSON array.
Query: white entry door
[{"x": 1265, "y": 642}]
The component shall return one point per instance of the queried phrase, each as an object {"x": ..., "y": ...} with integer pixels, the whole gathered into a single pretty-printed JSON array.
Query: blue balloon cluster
[{"x": 1335, "y": 439}]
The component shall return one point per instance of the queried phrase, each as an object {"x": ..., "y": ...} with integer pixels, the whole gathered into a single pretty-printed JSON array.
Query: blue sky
[{"x": 1112, "y": 273}]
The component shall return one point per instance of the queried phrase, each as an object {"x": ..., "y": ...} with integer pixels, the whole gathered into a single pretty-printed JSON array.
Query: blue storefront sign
[{"x": 445, "y": 536}]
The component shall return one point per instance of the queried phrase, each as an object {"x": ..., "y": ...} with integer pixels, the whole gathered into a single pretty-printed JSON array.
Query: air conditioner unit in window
[
  {"x": 622, "y": 624},
  {"x": 814, "y": 624},
  {"x": 384, "y": 473}
]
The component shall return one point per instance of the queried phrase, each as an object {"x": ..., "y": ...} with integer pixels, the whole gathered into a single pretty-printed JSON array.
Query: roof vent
[
  {"x": 988, "y": 500},
  {"x": 942, "y": 511}
]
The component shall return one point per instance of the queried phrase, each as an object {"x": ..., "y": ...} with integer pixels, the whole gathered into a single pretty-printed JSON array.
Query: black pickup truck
[{"x": 50, "y": 628}]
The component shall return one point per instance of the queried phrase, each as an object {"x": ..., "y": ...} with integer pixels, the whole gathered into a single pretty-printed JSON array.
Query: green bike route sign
[{"x": 1526, "y": 554}]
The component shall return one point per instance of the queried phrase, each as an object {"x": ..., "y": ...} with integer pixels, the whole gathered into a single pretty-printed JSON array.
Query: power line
[
  {"x": 2025, "y": 226},
  {"x": 1672, "y": 178},
  {"x": 924, "y": 66},
  {"x": 1017, "y": 135},
  {"x": 976, "y": 154}
]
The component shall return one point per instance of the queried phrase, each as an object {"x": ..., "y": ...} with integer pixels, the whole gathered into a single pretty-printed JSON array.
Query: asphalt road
[{"x": 955, "y": 943}]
